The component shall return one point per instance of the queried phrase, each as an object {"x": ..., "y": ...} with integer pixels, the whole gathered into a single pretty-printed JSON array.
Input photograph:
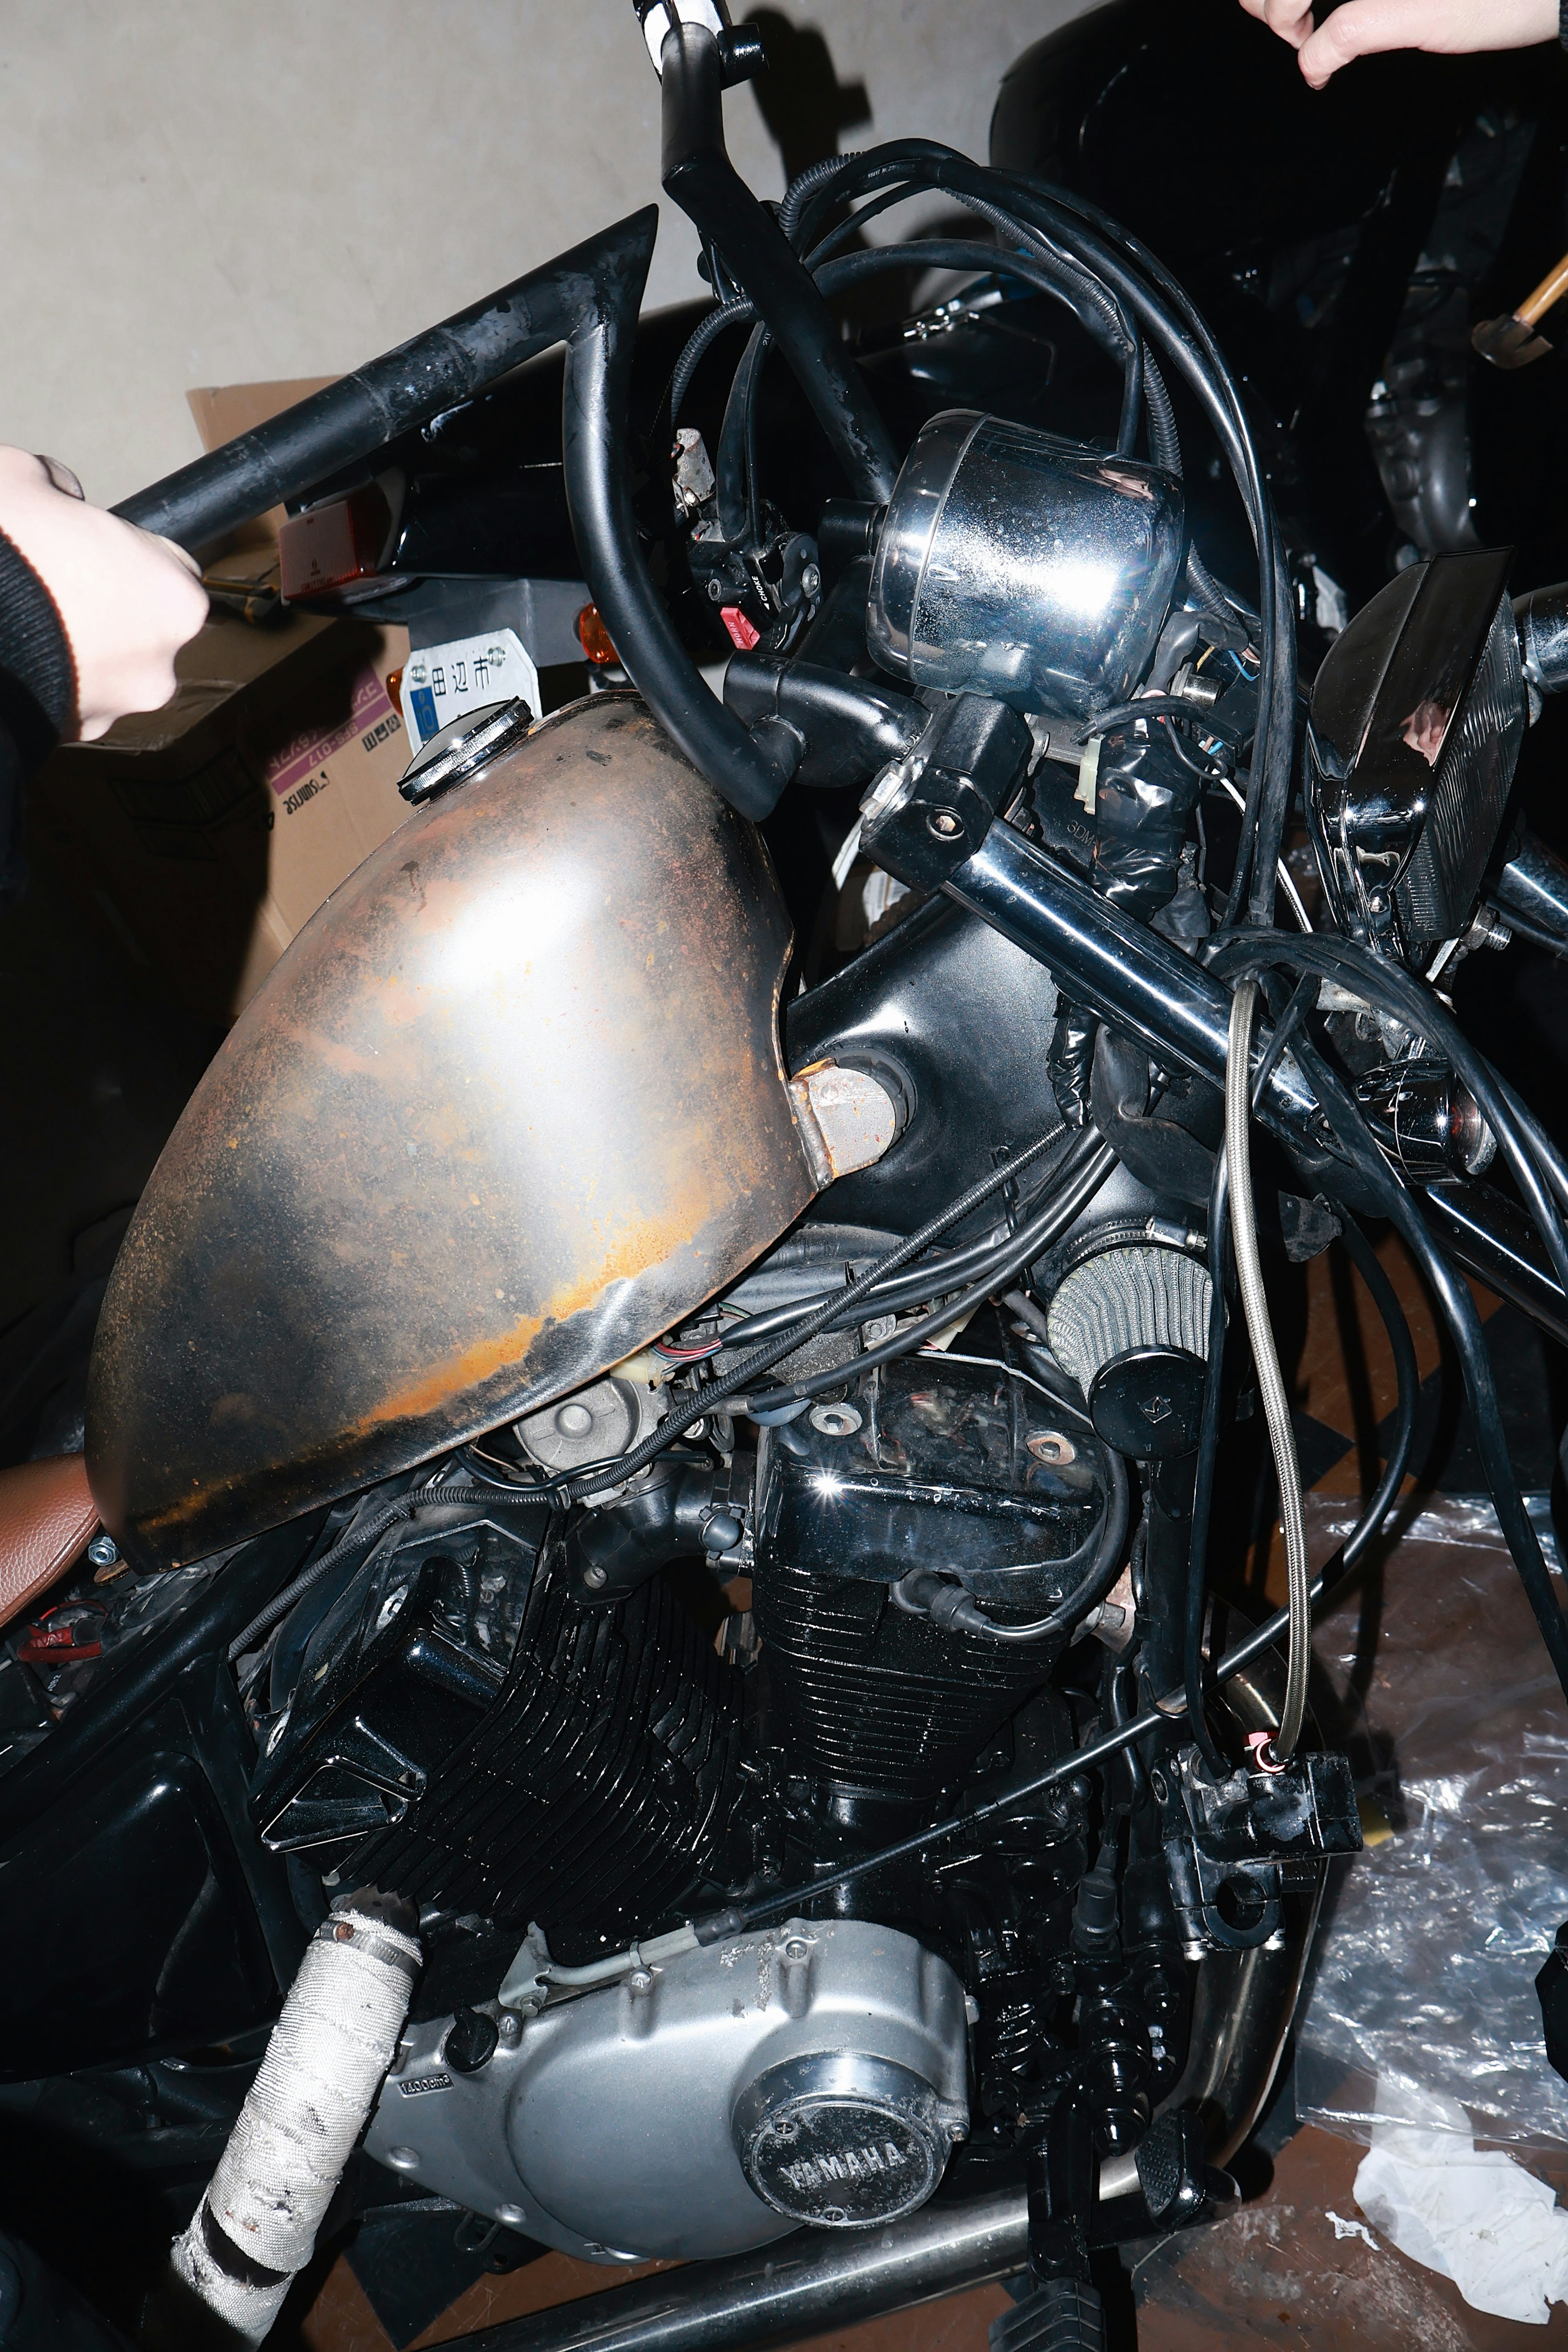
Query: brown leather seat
[{"x": 47, "y": 1518}]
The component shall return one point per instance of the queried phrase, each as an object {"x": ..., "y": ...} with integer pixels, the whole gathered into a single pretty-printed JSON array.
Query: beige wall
[{"x": 197, "y": 192}]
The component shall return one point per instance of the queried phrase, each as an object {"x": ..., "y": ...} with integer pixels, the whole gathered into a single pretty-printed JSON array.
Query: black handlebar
[{"x": 350, "y": 420}]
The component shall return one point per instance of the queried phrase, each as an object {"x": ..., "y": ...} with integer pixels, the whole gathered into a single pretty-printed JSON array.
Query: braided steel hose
[{"x": 1270, "y": 1381}]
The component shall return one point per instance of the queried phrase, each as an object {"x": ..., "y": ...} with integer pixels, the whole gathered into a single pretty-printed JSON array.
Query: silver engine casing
[{"x": 817, "y": 2072}]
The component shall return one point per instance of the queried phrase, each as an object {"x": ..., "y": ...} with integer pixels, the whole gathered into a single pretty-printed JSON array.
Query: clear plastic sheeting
[
  {"x": 1433, "y": 1676},
  {"x": 1474, "y": 2215}
]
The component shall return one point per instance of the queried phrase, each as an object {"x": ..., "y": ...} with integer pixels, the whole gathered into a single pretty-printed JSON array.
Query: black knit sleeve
[{"x": 37, "y": 697}]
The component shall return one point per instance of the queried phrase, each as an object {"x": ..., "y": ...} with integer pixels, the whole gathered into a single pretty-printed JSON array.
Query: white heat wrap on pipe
[{"x": 256, "y": 2224}]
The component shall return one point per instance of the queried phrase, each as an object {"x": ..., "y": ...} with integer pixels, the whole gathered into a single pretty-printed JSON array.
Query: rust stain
[{"x": 637, "y": 1250}]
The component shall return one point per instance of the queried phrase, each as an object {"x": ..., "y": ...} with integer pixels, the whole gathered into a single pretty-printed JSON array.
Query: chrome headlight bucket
[
  {"x": 1020, "y": 566},
  {"x": 1417, "y": 716}
]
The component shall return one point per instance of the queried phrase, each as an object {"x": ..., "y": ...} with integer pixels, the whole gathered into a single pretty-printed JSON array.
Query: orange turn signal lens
[{"x": 594, "y": 638}]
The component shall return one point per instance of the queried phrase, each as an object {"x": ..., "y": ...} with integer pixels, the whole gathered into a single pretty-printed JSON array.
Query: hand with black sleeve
[{"x": 92, "y": 613}]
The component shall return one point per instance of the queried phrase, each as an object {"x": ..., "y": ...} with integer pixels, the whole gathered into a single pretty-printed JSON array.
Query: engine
[{"x": 561, "y": 1776}]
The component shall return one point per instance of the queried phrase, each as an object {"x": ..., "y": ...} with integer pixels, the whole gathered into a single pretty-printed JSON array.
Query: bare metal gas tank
[{"x": 509, "y": 1106}]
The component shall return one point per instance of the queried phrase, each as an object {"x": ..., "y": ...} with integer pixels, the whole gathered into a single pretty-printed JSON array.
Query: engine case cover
[
  {"x": 829, "y": 2058},
  {"x": 511, "y": 1104}
]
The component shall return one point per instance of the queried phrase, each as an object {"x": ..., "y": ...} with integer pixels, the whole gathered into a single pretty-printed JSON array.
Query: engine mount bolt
[
  {"x": 946, "y": 824},
  {"x": 835, "y": 1419},
  {"x": 103, "y": 1551}
]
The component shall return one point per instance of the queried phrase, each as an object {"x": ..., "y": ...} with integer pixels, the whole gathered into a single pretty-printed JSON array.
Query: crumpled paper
[{"x": 1473, "y": 2215}]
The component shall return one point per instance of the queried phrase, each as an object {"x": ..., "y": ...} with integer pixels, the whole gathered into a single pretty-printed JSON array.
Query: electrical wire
[
  {"x": 706, "y": 331},
  {"x": 1091, "y": 1587},
  {"x": 1286, "y": 879},
  {"x": 1031, "y": 1241},
  {"x": 1270, "y": 1381},
  {"x": 997, "y": 1364},
  {"x": 591, "y": 1477},
  {"x": 1425, "y": 1015},
  {"x": 359, "y": 1537},
  {"x": 937, "y": 1277}
]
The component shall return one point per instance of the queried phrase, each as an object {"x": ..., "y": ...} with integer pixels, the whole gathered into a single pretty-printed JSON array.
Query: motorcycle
[{"x": 656, "y": 1476}]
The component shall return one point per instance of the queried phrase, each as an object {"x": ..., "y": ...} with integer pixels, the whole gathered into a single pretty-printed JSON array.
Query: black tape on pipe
[{"x": 403, "y": 388}]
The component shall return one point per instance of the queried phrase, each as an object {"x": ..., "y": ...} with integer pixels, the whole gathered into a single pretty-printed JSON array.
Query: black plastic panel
[{"x": 125, "y": 1924}]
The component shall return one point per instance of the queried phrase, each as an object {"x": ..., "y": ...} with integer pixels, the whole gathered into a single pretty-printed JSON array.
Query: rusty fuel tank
[{"x": 511, "y": 1104}]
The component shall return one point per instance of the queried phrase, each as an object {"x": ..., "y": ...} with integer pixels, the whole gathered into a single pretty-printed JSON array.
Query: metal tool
[{"x": 1512, "y": 342}]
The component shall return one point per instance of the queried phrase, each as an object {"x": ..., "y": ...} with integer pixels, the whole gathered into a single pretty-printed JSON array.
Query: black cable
[
  {"x": 1029, "y": 1242},
  {"x": 1163, "y": 309},
  {"x": 707, "y": 331},
  {"x": 937, "y": 1277},
  {"x": 1153, "y": 706},
  {"x": 1303, "y": 997},
  {"x": 1553, "y": 1165},
  {"x": 1458, "y": 1308},
  {"x": 589, "y": 1479},
  {"x": 359, "y": 1537},
  {"x": 1407, "y": 1378},
  {"x": 1096, "y": 1580},
  {"x": 1425, "y": 1015}
]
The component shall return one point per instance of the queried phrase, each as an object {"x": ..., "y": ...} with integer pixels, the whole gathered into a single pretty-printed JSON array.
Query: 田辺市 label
[{"x": 441, "y": 683}]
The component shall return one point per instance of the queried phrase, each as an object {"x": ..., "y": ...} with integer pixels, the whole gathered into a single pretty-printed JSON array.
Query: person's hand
[
  {"x": 1361, "y": 29},
  {"x": 128, "y": 601}
]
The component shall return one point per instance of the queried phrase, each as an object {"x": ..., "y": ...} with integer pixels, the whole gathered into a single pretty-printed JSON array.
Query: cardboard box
[
  {"x": 208, "y": 833},
  {"x": 222, "y": 413}
]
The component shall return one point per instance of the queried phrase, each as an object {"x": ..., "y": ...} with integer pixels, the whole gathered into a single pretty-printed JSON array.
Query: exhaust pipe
[{"x": 802, "y": 2286}]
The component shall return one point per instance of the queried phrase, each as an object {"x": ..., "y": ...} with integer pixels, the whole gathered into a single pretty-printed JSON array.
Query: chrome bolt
[
  {"x": 810, "y": 580},
  {"x": 835, "y": 1419},
  {"x": 594, "y": 1577},
  {"x": 103, "y": 1551}
]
